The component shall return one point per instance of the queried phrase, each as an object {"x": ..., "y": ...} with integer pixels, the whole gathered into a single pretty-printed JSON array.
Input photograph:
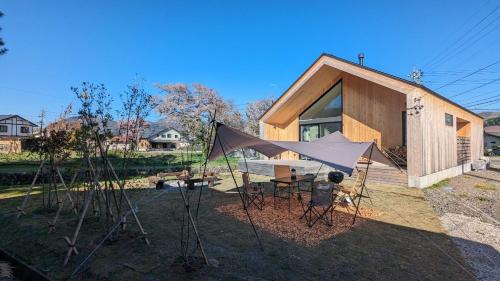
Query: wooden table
[
  {"x": 290, "y": 182},
  {"x": 190, "y": 182}
]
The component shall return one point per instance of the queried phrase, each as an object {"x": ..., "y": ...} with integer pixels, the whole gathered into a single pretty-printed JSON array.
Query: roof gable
[
  {"x": 8, "y": 116},
  {"x": 387, "y": 80}
]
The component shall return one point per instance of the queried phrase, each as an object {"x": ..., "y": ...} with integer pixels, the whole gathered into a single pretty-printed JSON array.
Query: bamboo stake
[
  {"x": 26, "y": 197},
  {"x": 127, "y": 200},
  {"x": 71, "y": 243}
]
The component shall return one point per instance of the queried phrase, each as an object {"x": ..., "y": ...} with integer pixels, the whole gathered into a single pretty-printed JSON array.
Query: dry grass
[
  {"x": 399, "y": 243},
  {"x": 485, "y": 186}
]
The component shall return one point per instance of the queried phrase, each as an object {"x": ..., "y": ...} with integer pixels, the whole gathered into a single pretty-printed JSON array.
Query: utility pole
[{"x": 42, "y": 117}]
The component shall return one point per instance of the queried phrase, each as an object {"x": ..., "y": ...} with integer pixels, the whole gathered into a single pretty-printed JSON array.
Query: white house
[
  {"x": 167, "y": 139},
  {"x": 14, "y": 128},
  {"x": 491, "y": 137}
]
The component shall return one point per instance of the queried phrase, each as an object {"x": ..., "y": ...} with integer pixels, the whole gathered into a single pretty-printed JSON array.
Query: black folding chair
[
  {"x": 253, "y": 193},
  {"x": 320, "y": 206}
]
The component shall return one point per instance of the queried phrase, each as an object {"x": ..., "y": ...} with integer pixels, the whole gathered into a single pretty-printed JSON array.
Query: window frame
[
  {"x": 446, "y": 115},
  {"x": 312, "y": 123},
  {"x": 6, "y": 128},
  {"x": 25, "y": 128}
]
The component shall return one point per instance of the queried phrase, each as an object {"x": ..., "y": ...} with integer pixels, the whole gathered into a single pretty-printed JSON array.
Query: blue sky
[{"x": 245, "y": 50}]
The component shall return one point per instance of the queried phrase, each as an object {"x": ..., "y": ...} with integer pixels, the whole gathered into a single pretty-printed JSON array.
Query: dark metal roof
[
  {"x": 378, "y": 72},
  {"x": 7, "y": 116}
]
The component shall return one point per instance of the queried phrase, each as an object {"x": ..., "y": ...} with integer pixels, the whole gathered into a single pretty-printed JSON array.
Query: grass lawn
[{"x": 404, "y": 242}]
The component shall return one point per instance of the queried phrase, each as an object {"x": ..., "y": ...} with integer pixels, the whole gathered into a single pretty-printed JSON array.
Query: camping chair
[
  {"x": 252, "y": 193},
  {"x": 211, "y": 178},
  {"x": 353, "y": 191},
  {"x": 282, "y": 190},
  {"x": 321, "y": 204}
]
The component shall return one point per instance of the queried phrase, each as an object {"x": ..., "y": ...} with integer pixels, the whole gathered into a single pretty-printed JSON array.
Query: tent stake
[
  {"x": 363, "y": 186},
  {"x": 239, "y": 193}
]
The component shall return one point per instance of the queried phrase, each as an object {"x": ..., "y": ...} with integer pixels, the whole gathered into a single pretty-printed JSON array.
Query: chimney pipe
[{"x": 361, "y": 58}]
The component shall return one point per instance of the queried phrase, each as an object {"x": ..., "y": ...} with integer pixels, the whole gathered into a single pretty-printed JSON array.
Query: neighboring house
[
  {"x": 13, "y": 129},
  {"x": 166, "y": 139},
  {"x": 440, "y": 138},
  {"x": 491, "y": 137}
]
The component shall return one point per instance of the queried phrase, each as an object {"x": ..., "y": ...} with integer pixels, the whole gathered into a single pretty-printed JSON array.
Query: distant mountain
[
  {"x": 491, "y": 118},
  {"x": 489, "y": 114},
  {"x": 113, "y": 125}
]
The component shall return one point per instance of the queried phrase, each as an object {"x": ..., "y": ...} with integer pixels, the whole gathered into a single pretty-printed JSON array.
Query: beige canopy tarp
[{"x": 334, "y": 150}]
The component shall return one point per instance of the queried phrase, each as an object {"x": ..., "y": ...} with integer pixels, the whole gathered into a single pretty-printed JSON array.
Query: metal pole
[
  {"x": 239, "y": 193},
  {"x": 198, "y": 240},
  {"x": 244, "y": 158},
  {"x": 363, "y": 186},
  {"x": 212, "y": 124}
]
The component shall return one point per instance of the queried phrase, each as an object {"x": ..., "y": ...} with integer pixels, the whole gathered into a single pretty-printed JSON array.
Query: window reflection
[{"x": 323, "y": 117}]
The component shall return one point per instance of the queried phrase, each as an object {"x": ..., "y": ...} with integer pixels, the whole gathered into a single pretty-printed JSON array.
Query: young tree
[
  {"x": 3, "y": 50},
  {"x": 189, "y": 108},
  {"x": 136, "y": 107},
  {"x": 253, "y": 112}
]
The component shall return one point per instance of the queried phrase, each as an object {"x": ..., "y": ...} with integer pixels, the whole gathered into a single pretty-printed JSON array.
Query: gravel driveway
[{"x": 469, "y": 208}]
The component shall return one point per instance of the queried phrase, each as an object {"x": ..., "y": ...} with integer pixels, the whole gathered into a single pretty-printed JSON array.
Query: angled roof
[
  {"x": 350, "y": 63},
  {"x": 149, "y": 134},
  {"x": 492, "y": 130},
  {"x": 7, "y": 116}
]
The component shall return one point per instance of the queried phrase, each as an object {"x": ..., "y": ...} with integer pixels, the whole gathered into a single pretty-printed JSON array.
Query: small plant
[
  {"x": 484, "y": 199},
  {"x": 439, "y": 184},
  {"x": 485, "y": 186}
]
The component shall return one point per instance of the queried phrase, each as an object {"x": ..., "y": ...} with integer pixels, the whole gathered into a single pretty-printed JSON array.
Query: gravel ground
[{"x": 469, "y": 208}]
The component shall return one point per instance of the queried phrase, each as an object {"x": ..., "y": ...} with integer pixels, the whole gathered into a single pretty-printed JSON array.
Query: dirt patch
[
  {"x": 398, "y": 243},
  {"x": 289, "y": 226},
  {"x": 469, "y": 208}
]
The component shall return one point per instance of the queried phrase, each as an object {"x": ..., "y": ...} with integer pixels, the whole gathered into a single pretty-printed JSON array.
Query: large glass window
[{"x": 324, "y": 116}]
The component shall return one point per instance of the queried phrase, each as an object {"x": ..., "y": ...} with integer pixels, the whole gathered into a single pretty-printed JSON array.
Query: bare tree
[
  {"x": 3, "y": 50},
  {"x": 136, "y": 107},
  {"x": 253, "y": 112}
]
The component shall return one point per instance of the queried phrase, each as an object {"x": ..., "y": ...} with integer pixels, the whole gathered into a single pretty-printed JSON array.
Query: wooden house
[
  {"x": 13, "y": 129},
  {"x": 439, "y": 137}
]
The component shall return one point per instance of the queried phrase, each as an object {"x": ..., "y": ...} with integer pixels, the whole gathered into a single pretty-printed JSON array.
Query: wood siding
[
  {"x": 372, "y": 109},
  {"x": 290, "y": 132},
  {"x": 372, "y": 112},
  {"x": 432, "y": 145}
]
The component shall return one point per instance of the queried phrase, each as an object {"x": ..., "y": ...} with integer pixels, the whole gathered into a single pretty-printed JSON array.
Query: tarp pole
[
  {"x": 239, "y": 193},
  {"x": 317, "y": 173},
  {"x": 244, "y": 158},
  {"x": 363, "y": 186},
  {"x": 212, "y": 123}
]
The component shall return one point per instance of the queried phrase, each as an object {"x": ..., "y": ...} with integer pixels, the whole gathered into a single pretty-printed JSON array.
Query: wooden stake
[{"x": 20, "y": 209}]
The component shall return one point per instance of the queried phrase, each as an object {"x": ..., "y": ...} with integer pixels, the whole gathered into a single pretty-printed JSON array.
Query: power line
[
  {"x": 492, "y": 109},
  {"x": 459, "y": 49},
  {"x": 468, "y": 75},
  {"x": 475, "y": 88},
  {"x": 486, "y": 102},
  {"x": 485, "y": 99},
  {"x": 469, "y": 100},
  {"x": 463, "y": 36}
]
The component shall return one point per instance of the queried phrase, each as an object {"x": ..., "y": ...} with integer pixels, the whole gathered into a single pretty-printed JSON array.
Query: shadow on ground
[{"x": 406, "y": 242}]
